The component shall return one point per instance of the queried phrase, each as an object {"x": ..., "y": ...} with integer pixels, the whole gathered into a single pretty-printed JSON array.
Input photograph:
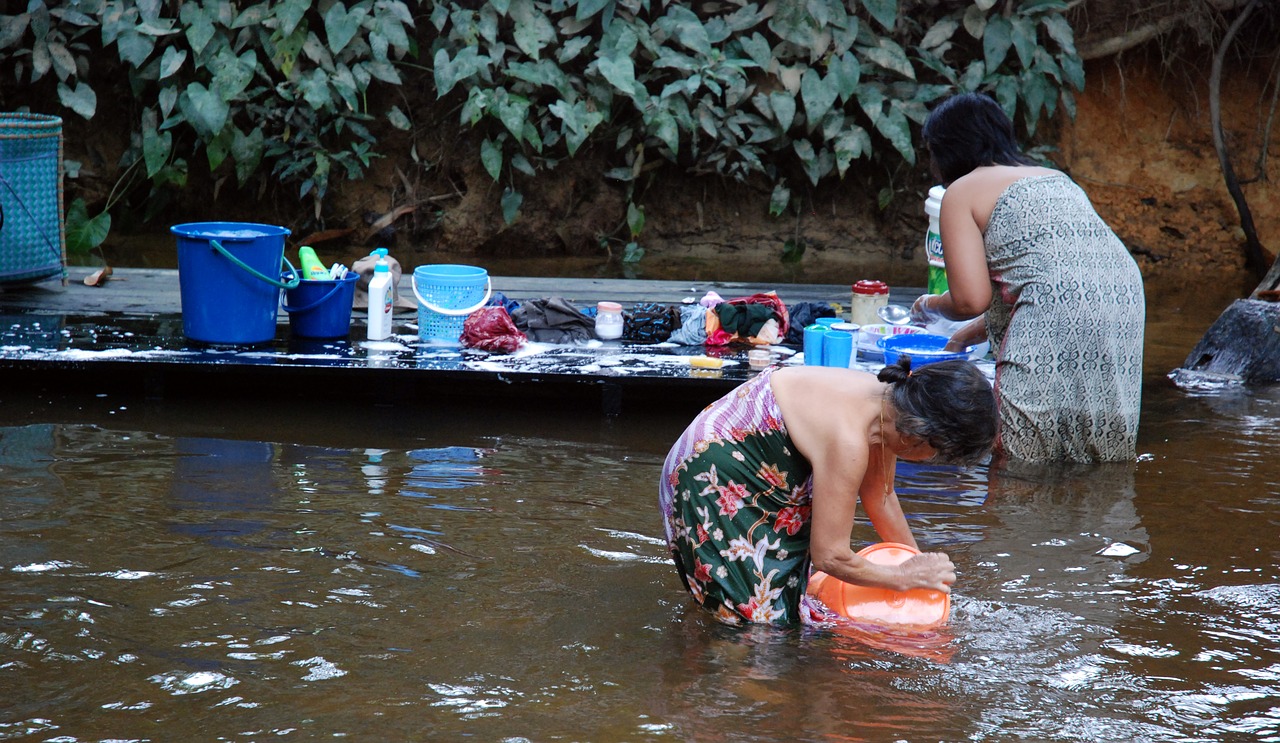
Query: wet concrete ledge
[{"x": 126, "y": 338}]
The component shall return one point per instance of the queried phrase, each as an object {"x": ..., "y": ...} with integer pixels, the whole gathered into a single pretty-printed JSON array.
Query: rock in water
[{"x": 1244, "y": 342}]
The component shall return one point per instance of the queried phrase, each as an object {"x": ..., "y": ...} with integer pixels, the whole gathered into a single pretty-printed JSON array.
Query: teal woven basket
[{"x": 32, "y": 229}]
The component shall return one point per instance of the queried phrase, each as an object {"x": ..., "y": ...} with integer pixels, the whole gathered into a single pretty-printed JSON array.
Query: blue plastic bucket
[
  {"x": 923, "y": 348},
  {"x": 321, "y": 309},
  {"x": 225, "y": 272},
  {"x": 447, "y": 293}
]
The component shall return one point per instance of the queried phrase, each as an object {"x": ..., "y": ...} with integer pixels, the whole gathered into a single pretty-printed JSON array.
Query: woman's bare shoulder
[
  {"x": 820, "y": 380},
  {"x": 826, "y": 410},
  {"x": 977, "y": 192},
  {"x": 817, "y": 390}
]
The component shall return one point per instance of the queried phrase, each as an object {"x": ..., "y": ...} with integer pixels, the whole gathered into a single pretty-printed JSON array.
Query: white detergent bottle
[{"x": 381, "y": 297}]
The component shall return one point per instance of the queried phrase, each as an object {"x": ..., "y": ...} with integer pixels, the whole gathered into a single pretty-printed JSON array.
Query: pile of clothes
[{"x": 759, "y": 319}]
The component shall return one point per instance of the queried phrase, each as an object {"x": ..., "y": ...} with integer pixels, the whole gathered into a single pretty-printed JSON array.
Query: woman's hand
[
  {"x": 969, "y": 334},
  {"x": 932, "y": 570},
  {"x": 922, "y": 313}
]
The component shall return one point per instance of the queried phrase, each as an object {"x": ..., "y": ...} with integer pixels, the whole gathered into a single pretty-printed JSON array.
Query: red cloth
[{"x": 492, "y": 329}]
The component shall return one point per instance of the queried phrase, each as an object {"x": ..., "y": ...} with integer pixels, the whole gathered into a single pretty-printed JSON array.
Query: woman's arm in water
[{"x": 880, "y": 501}]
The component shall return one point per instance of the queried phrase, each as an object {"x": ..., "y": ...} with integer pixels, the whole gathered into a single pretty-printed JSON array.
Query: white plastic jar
[
  {"x": 608, "y": 321},
  {"x": 868, "y": 295}
]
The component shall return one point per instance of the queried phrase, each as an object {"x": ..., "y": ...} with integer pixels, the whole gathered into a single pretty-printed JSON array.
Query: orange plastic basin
[{"x": 919, "y": 607}]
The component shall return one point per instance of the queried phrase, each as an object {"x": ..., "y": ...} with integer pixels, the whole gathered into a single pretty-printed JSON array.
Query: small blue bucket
[
  {"x": 447, "y": 293},
  {"x": 224, "y": 271},
  {"x": 321, "y": 309}
]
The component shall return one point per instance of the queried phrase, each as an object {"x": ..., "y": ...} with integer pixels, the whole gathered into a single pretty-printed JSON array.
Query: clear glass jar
[
  {"x": 868, "y": 295},
  {"x": 608, "y": 321}
]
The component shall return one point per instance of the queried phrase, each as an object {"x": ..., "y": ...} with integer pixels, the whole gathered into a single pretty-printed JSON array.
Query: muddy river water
[{"x": 225, "y": 571}]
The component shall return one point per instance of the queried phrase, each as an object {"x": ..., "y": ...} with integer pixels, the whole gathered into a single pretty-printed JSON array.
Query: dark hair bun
[
  {"x": 949, "y": 404},
  {"x": 896, "y": 372}
]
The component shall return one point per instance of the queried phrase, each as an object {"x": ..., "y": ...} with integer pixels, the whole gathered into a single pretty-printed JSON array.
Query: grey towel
[{"x": 553, "y": 320}]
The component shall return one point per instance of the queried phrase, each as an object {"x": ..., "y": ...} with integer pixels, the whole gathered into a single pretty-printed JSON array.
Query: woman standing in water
[
  {"x": 1053, "y": 288},
  {"x": 765, "y": 482}
]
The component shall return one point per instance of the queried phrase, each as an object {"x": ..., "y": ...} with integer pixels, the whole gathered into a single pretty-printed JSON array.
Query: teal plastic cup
[
  {"x": 813, "y": 345},
  {"x": 837, "y": 348}
]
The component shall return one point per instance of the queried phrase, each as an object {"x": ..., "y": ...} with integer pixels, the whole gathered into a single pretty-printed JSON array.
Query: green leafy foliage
[
  {"x": 780, "y": 199},
  {"x": 635, "y": 220},
  {"x": 788, "y": 94},
  {"x": 268, "y": 90},
  {"x": 84, "y": 233},
  {"x": 632, "y": 253},
  {"x": 793, "y": 250},
  {"x": 820, "y": 88},
  {"x": 511, "y": 201}
]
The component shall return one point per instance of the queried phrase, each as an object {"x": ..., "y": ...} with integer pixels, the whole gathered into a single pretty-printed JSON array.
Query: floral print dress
[{"x": 735, "y": 497}]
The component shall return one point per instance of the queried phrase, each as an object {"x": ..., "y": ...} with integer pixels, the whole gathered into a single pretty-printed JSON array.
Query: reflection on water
[{"x": 211, "y": 573}]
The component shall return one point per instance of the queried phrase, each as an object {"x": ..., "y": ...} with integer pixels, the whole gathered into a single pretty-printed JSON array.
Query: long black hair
[
  {"x": 968, "y": 131},
  {"x": 949, "y": 404}
]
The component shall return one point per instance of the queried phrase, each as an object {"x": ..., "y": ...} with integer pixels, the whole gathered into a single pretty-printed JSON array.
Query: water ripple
[{"x": 197, "y": 682}]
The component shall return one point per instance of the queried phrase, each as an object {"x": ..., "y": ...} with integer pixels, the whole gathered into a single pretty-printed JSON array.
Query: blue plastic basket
[
  {"x": 32, "y": 230},
  {"x": 446, "y": 295}
]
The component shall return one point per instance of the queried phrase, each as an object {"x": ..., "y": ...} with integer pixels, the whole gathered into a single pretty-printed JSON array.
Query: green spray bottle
[{"x": 312, "y": 268}]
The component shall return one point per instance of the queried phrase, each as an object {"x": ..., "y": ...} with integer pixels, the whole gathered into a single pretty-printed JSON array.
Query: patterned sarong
[{"x": 1066, "y": 323}]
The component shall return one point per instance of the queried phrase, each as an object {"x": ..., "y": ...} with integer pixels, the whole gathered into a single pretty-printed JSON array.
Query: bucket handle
[
  {"x": 488, "y": 292},
  {"x": 291, "y": 284},
  {"x": 307, "y": 308}
]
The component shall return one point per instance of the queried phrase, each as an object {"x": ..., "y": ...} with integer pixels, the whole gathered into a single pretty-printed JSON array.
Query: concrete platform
[{"x": 127, "y": 338}]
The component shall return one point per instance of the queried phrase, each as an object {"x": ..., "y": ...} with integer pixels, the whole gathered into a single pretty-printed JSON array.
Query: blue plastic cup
[
  {"x": 837, "y": 348},
  {"x": 813, "y": 335},
  {"x": 828, "y": 321}
]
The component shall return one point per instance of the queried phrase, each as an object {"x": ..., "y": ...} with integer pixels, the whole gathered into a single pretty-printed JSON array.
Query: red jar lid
[
  {"x": 608, "y": 307},
  {"x": 870, "y": 287}
]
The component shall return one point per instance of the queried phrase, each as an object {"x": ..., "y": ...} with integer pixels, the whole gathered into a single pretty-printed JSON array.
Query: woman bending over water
[{"x": 764, "y": 484}]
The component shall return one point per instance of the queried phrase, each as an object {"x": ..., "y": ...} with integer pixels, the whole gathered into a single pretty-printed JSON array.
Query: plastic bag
[{"x": 492, "y": 329}]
